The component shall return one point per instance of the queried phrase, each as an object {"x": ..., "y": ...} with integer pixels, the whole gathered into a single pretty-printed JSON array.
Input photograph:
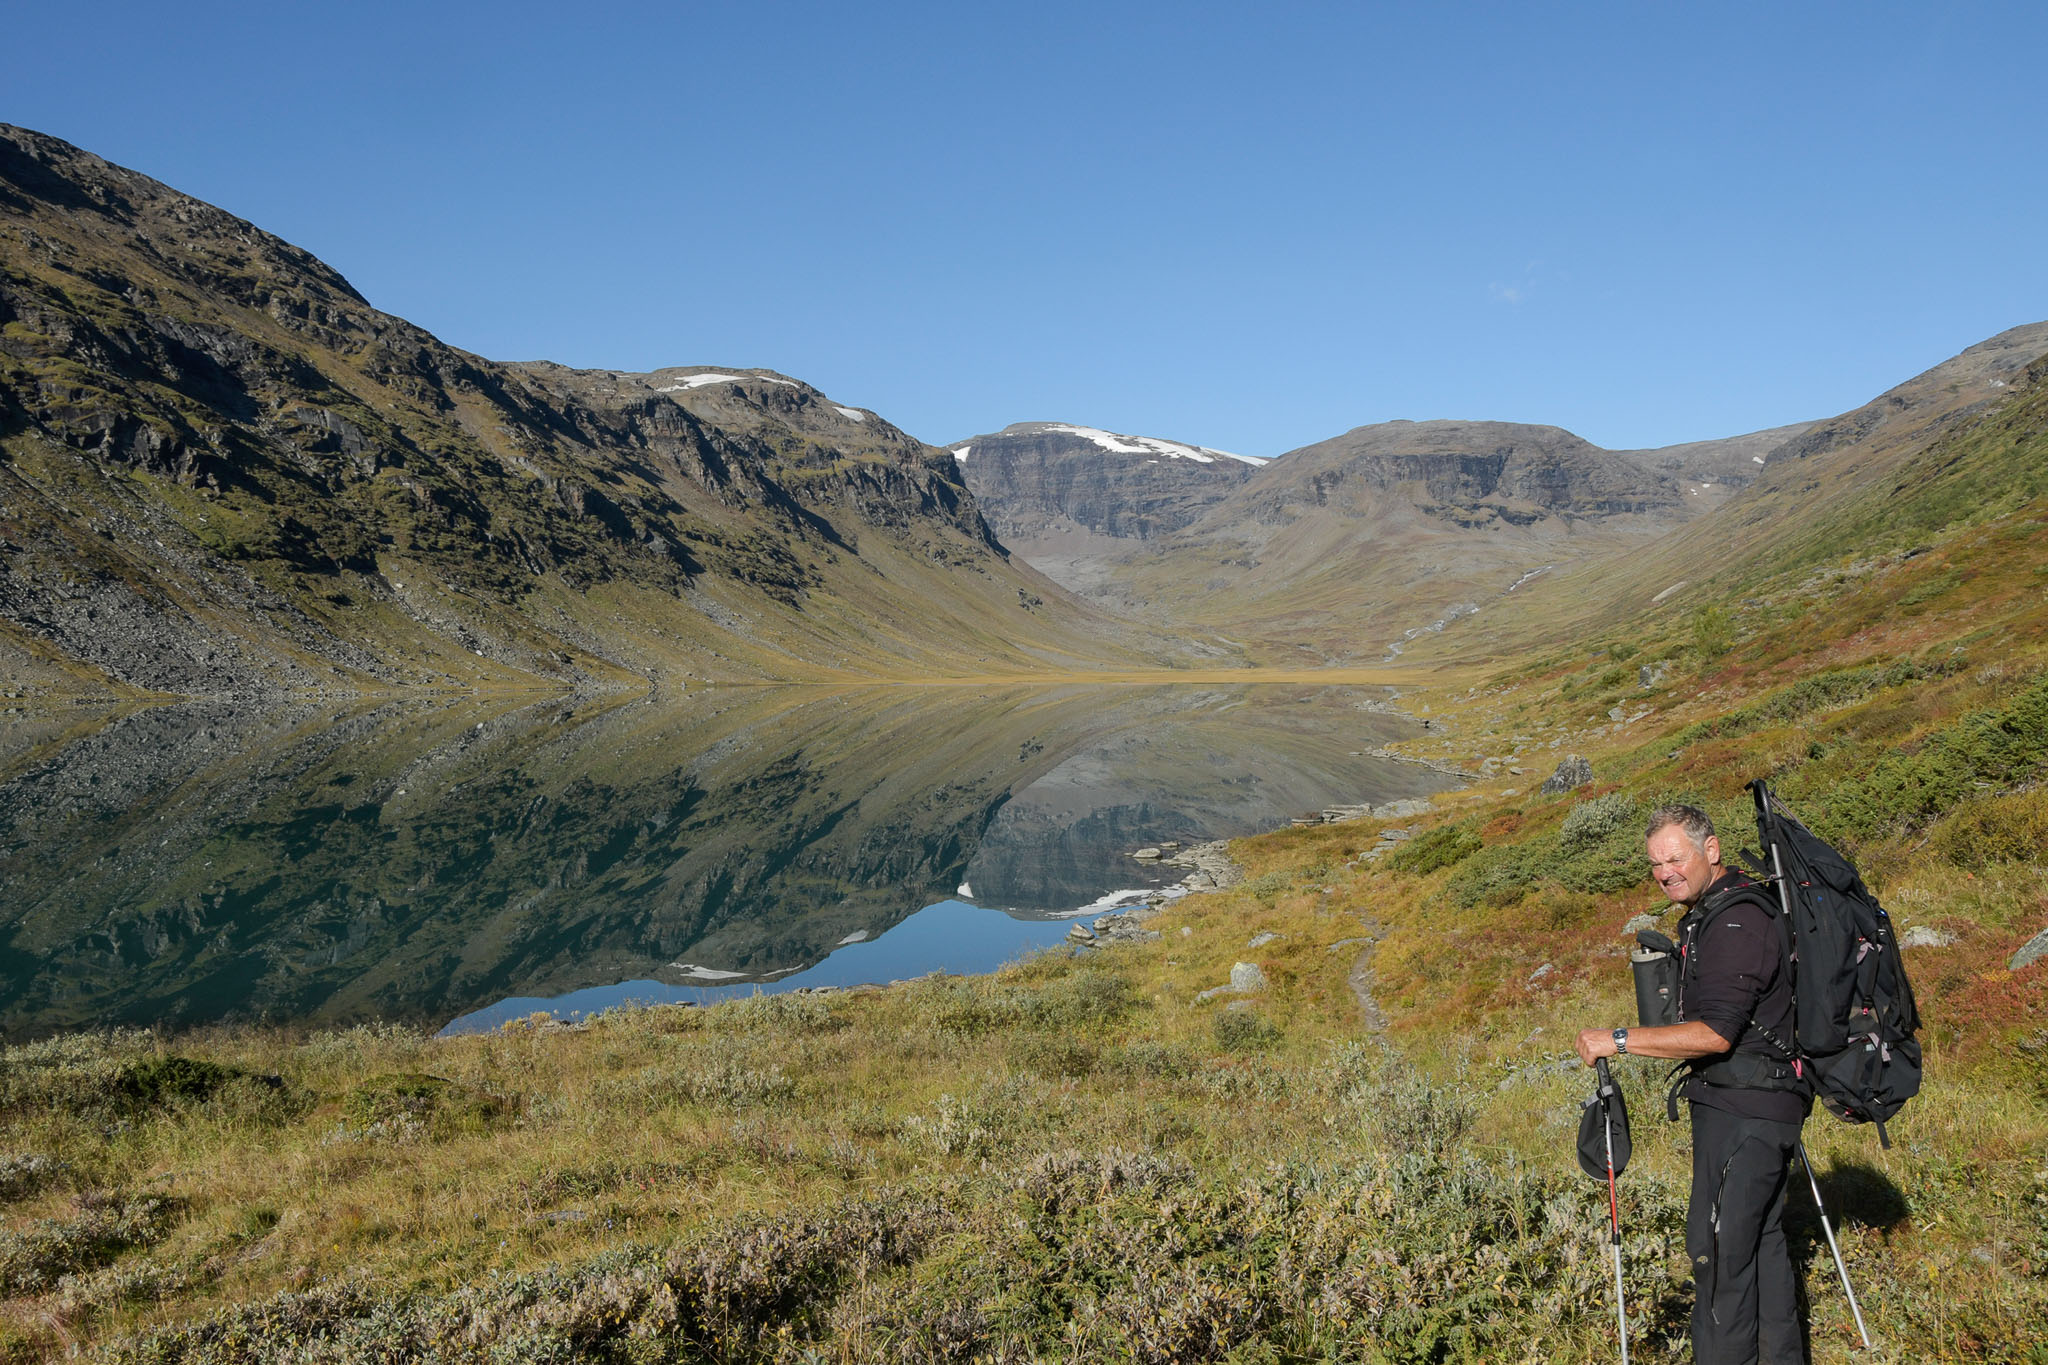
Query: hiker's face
[{"x": 1684, "y": 869}]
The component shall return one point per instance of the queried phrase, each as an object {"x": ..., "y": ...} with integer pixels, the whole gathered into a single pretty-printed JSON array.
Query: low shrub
[
  {"x": 1063, "y": 1182},
  {"x": 96, "y": 1291},
  {"x": 738, "y": 1292},
  {"x": 1996, "y": 746},
  {"x": 102, "y": 1226},
  {"x": 71, "y": 1073},
  {"x": 1245, "y": 1031},
  {"x": 1444, "y": 846},
  {"x": 1713, "y": 631},
  {"x": 2001, "y": 829},
  {"x": 1146, "y": 1057},
  {"x": 721, "y": 1076},
  {"x": 1931, "y": 587},
  {"x": 980, "y": 1125},
  {"x": 1592, "y": 822},
  {"x": 785, "y": 1012},
  {"x": 365, "y": 1047},
  {"x": 1500, "y": 875},
  {"x": 1267, "y": 886},
  {"x": 1055, "y": 1056},
  {"x": 1818, "y": 692},
  {"x": 1410, "y": 1113},
  {"x": 162, "y": 1081},
  {"x": 1085, "y": 998},
  {"x": 443, "y": 1107},
  {"x": 27, "y": 1174}
]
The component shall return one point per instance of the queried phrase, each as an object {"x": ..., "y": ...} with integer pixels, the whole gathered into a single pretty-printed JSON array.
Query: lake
[{"x": 467, "y": 860}]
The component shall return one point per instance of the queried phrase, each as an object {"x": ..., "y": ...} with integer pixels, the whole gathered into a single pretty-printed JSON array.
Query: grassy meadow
[{"x": 1077, "y": 1159}]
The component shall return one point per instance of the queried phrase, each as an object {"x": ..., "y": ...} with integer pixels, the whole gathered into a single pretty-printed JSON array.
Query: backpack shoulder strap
[{"x": 1751, "y": 891}]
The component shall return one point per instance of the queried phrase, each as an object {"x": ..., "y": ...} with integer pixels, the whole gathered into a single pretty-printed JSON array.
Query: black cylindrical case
[{"x": 1655, "y": 965}]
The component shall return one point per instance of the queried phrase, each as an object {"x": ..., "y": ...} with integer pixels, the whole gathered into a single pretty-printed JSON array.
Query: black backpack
[{"x": 1853, "y": 1007}]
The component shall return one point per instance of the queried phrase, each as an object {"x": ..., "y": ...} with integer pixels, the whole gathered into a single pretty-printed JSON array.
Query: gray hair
[{"x": 1696, "y": 823}]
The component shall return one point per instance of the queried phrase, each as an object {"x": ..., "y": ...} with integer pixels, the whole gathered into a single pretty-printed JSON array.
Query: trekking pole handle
[{"x": 1606, "y": 1077}]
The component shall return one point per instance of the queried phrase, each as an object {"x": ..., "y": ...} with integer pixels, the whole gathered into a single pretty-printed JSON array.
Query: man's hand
[{"x": 1595, "y": 1043}]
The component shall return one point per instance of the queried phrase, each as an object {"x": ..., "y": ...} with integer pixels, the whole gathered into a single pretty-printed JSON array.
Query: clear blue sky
[{"x": 1247, "y": 226}]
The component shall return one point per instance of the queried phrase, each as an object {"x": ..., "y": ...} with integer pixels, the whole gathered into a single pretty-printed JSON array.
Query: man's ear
[{"x": 1712, "y": 848}]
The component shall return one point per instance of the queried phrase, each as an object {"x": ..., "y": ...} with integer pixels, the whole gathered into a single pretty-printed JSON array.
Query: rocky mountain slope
[
  {"x": 1347, "y": 549},
  {"x": 226, "y": 472},
  {"x": 1953, "y": 446},
  {"x": 1069, "y": 499}
]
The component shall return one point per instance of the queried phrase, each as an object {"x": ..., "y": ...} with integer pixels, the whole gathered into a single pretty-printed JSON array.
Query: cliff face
[
  {"x": 1070, "y": 499},
  {"x": 226, "y": 472},
  {"x": 1040, "y": 478},
  {"x": 1465, "y": 473}
]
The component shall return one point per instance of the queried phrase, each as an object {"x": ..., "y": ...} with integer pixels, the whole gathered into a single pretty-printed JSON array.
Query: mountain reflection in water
[{"x": 399, "y": 860}]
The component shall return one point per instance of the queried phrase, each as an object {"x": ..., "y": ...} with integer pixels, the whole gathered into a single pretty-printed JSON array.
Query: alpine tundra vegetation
[{"x": 1091, "y": 1154}]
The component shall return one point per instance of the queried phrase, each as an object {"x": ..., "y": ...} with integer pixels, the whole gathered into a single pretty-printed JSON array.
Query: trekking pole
[
  {"x": 1614, "y": 1207},
  {"x": 1840, "y": 1268}
]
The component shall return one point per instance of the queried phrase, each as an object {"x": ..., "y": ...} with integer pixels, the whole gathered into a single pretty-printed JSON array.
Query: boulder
[
  {"x": 1401, "y": 810},
  {"x": 1246, "y": 978},
  {"x": 2032, "y": 951},
  {"x": 1926, "y": 936},
  {"x": 1148, "y": 854},
  {"x": 1573, "y": 772}
]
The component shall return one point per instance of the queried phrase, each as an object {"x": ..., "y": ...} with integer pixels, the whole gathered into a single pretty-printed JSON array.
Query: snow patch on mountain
[
  {"x": 855, "y": 413},
  {"x": 698, "y": 381},
  {"x": 961, "y": 453},
  {"x": 1118, "y": 444}
]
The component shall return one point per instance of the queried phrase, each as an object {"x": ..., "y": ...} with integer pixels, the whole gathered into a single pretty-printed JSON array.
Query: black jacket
[{"x": 1732, "y": 978}]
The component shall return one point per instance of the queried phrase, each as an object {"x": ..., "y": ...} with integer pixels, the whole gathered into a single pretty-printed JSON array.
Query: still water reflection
[{"x": 481, "y": 858}]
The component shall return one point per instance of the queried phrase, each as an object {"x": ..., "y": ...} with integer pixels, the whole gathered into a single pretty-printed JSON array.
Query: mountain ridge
[
  {"x": 1857, "y": 485},
  {"x": 228, "y": 473}
]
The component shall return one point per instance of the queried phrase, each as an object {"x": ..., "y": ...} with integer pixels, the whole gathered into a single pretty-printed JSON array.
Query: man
[{"x": 1747, "y": 1100}]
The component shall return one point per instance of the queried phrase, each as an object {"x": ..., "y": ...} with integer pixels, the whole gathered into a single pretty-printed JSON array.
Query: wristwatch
[{"x": 1621, "y": 1042}]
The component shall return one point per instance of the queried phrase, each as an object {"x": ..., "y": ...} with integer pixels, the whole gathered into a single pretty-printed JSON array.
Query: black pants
[{"x": 1735, "y": 1237}]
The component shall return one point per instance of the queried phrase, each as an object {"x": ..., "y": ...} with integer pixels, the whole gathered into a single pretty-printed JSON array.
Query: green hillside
[{"x": 223, "y": 472}]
